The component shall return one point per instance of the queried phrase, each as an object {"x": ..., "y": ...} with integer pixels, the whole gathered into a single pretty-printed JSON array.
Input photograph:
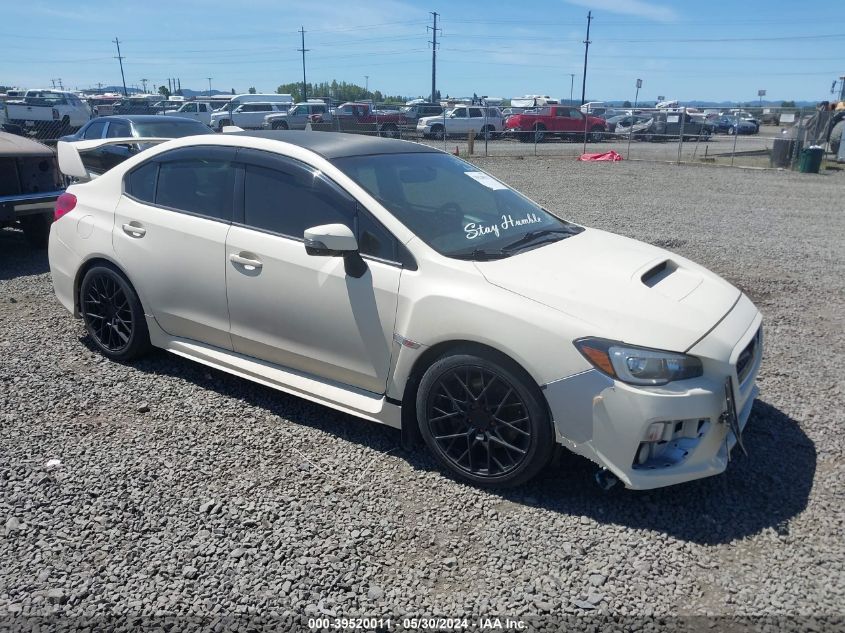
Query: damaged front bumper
[{"x": 650, "y": 437}]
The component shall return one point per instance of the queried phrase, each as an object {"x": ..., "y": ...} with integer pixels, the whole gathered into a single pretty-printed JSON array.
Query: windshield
[
  {"x": 452, "y": 206},
  {"x": 172, "y": 129}
]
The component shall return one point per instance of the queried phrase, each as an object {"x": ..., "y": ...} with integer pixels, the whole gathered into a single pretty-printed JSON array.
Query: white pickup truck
[
  {"x": 48, "y": 113},
  {"x": 247, "y": 115},
  {"x": 198, "y": 110}
]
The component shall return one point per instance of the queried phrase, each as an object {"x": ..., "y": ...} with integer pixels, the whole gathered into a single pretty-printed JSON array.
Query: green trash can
[{"x": 811, "y": 160}]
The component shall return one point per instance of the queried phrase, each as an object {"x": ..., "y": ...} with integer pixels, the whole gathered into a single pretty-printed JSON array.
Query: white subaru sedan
[{"x": 399, "y": 284}]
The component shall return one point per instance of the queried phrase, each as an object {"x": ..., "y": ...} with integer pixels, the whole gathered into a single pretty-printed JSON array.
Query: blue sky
[{"x": 713, "y": 50}]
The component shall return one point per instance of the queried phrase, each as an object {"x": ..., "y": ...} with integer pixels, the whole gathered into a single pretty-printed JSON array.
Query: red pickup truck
[
  {"x": 555, "y": 120},
  {"x": 361, "y": 118}
]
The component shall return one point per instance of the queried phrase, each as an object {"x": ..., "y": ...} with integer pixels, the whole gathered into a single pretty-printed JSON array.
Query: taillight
[
  {"x": 55, "y": 114},
  {"x": 65, "y": 203}
]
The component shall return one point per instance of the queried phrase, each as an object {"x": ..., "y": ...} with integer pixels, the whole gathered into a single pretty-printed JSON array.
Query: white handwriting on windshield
[{"x": 474, "y": 230}]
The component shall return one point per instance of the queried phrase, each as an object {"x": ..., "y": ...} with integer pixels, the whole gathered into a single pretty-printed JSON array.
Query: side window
[
  {"x": 95, "y": 130},
  {"x": 202, "y": 186},
  {"x": 118, "y": 129},
  {"x": 374, "y": 239},
  {"x": 290, "y": 199},
  {"x": 460, "y": 113},
  {"x": 476, "y": 113},
  {"x": 141, "y": 182},
  {"x": 191, "y": 107}
]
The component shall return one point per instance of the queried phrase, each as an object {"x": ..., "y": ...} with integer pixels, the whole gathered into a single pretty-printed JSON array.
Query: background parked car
[
  {"x": 732, "y": 125},
  {"x": 30, "y": 183},
  {"x": 416, "y": 111},
  {"x": 48, "y": 113},
  {"x": 462, "y": 120},
  {"x": 196, "y": 110},
  {"x": 246, "y": 116},
  {"x": 555, "y": 120},
  {"x": 297, "y": 117},
  {"x": 136, "y": 126}
]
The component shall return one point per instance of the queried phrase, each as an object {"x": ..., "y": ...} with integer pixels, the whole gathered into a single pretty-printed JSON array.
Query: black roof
[
  {"x": 338, "y": 144},
  {"x": 145, "y": 118}
]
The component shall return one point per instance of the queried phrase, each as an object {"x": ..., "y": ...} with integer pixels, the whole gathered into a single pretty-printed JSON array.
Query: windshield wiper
[
  {"x": 481, "y": 254},
  {"x": 533, "y": 235}
]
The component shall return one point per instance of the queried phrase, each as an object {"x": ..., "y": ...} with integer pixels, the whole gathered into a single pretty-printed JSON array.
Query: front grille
[{"x": 745, "y": 362}]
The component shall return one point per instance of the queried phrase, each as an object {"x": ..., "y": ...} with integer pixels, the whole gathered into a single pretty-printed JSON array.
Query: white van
[{"x": 282, "y": 101}]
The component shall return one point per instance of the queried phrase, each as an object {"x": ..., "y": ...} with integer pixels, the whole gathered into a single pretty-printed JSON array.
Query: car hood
[
  {"x": 619, "y": 288},
  {"x": 430, "y": 119}
]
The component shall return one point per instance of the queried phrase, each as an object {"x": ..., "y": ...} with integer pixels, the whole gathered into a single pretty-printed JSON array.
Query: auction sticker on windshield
[{"x": 486, "y": 180}]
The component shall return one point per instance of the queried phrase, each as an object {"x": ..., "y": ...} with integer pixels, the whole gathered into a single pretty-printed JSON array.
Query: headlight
[{"x": 638, "y": 365}]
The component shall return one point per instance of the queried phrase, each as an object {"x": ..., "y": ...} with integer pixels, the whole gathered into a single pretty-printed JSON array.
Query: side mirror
[{"x": 330, "y": 240}]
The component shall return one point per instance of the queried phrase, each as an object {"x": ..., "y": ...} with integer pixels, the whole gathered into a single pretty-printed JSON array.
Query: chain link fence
[{"x": 762, "y": 137}]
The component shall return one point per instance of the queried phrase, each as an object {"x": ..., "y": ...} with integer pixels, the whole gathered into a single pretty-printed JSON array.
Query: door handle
[
  {"x": 245, "y": 261},
  {"x": 133, "y": 229}
]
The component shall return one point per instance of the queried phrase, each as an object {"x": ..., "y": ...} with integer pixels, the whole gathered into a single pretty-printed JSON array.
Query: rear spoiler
[{"x": 70, "y": 161}]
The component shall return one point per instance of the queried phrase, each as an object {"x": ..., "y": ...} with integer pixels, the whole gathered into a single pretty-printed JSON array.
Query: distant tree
[
  {"x": 252, "y": 90},
  {"x": 787, "y": 104},
  {"x": 162, "y": 90},
  {"x": 437, "y": 96},
  {"x": 627, "y": 104},
  {"x": 233, "y": 91}
]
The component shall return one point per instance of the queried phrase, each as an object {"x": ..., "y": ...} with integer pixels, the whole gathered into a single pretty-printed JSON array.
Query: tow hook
[{"x": 605, "y": 479}]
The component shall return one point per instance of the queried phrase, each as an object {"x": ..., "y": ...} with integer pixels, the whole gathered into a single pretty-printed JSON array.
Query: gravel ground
[{"x": 163, "y": 488}]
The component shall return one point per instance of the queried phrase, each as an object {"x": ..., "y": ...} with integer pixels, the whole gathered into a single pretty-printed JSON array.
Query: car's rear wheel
[
  {"x": 36, "y": 229},
  {"x": 113, "y": 314},
  {"x": 484, "y": 420}
]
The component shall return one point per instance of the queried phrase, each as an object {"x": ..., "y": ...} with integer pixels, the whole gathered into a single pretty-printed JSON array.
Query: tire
[
  {"x": 731, "y": 131},
  {"x": 113, "y": 314},
  {"x": 486, "y": 132},
  {"x": 539, "y": 133},
  {"x": 484, "y": 420},
  {"x": 223, "y": 124},
  {"x": 596, "y": 134},
  {"x": 836, "y": 136},
  {"x": 437, "y": 132},
  {"x": 36, "y": 229},
  {"x": 280, "y": 125},
  {"x": 389, "y": 130}
]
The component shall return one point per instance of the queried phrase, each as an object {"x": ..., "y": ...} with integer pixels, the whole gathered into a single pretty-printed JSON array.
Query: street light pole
[{"x": 571, "y": 85}]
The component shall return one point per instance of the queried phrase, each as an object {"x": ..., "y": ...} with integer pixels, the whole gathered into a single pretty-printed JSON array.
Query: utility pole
[
  {"x": 179, "y": 83},
  {"x": 433, "y": 43},
  {"x": 209, "y": 85},
  {"x": 367, "y": 84},
  {"x": 586, "y": 50},
  {"x": 53, "y": 81},
  {"x": 571, "y": 85},
  {"x": 120, "y": 58},
  {"x": 144, "y": 84},
  {"x": 303, "y": 50}
]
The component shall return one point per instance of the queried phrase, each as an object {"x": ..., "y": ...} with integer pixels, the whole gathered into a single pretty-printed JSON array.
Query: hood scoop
[{"x": 671, "y": 280}]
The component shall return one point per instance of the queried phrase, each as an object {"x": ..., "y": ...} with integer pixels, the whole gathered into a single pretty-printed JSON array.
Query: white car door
[
  {"x": 300, "y": 311},
  {"x": 170, "y": 237},
  {"x": 458, "y": 123}
]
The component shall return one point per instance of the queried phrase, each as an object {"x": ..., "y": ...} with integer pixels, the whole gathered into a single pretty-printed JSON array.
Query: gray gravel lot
[{"x": 185, "y": 491}]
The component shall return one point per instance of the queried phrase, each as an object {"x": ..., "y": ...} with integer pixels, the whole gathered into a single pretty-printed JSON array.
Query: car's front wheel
[
  {"x": 113, "y": 314},
  {"x": 484, "y": 420}
]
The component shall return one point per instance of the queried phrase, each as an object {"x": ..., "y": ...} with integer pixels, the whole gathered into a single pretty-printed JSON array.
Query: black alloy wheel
[
  {"x": 112, "y": 314},
  {"x": 483, "y": 421}
]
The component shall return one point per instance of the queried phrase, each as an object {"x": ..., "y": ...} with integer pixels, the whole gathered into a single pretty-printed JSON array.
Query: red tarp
[{"x": 611, "y": 156}]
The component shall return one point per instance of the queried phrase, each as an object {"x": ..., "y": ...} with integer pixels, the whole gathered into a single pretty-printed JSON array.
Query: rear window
[{"x": 172, "y": 129}]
